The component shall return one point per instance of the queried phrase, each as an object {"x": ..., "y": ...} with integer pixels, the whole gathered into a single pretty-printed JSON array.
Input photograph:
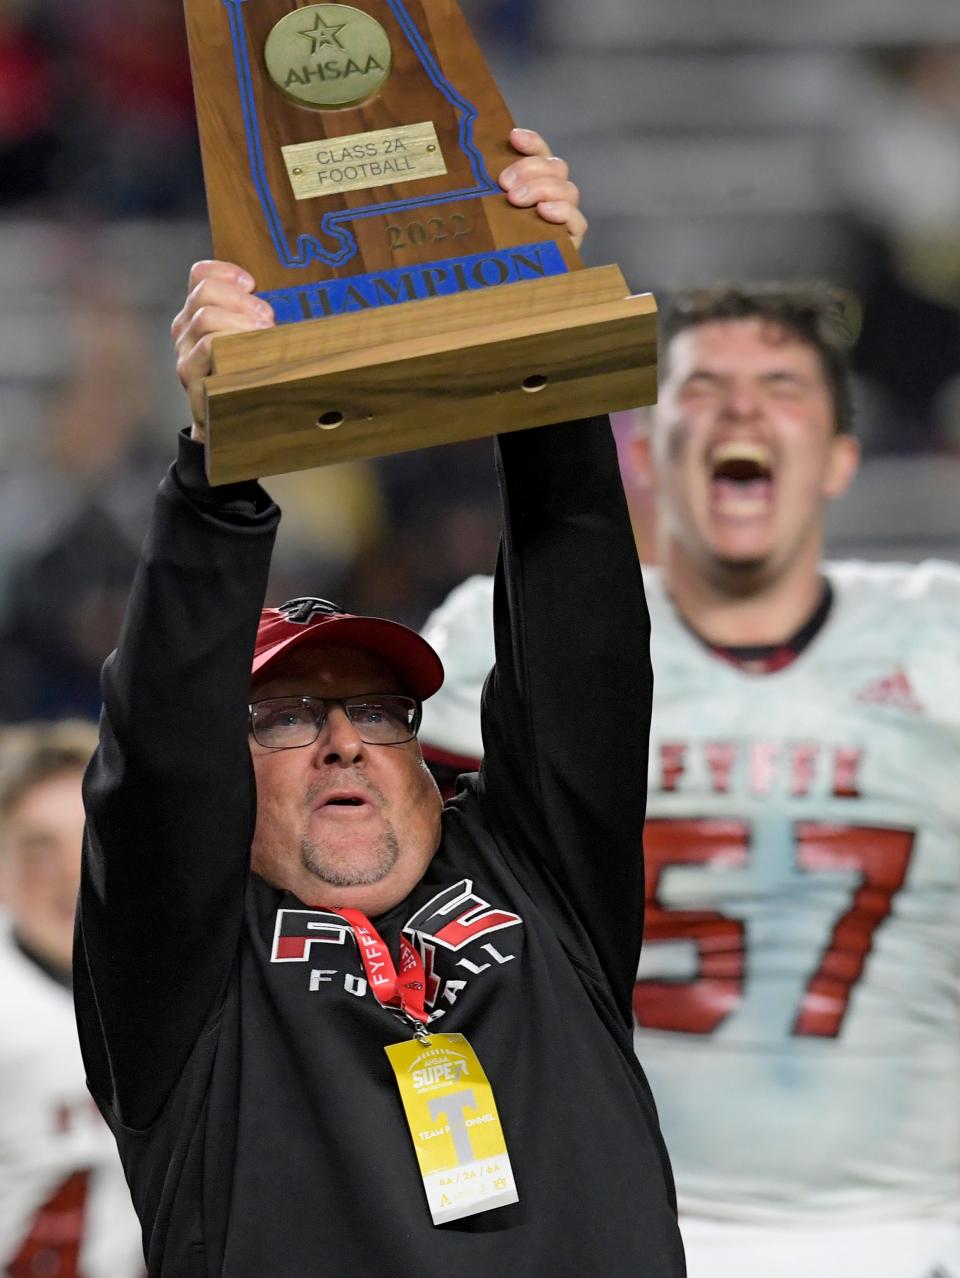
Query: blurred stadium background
[{"x": 749, "y": 138}]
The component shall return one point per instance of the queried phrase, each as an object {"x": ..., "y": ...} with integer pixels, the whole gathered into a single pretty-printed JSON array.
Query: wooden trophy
[{"x": 350, "y": 157}]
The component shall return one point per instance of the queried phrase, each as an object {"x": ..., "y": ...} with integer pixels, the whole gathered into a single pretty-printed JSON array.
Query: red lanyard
[{"x": 405, "y": 990}]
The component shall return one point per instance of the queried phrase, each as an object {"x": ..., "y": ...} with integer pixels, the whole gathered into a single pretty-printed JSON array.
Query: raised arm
[
  {"x": 169, "y": 793},
  {"x": 566, "y": 712}
]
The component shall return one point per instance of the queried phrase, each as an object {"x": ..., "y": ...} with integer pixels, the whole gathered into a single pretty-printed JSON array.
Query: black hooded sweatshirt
[{"x": 239, "y": 1059}]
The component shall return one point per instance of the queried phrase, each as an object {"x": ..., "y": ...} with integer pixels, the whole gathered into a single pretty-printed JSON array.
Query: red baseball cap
[{"x": 306, "y": 620}]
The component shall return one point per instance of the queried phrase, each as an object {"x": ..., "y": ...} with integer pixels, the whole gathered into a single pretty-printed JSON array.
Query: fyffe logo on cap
[{"x": 301, "y": 611}]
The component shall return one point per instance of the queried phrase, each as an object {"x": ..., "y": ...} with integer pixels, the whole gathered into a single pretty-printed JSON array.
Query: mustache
[{"x": 347, "y": 781}]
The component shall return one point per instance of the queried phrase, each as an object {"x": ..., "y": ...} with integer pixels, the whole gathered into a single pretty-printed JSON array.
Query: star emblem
[{"x": 324, "y": 35}]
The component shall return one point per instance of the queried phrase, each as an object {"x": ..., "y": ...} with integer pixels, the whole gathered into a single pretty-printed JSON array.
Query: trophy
[{"x": 350, "y": 158}]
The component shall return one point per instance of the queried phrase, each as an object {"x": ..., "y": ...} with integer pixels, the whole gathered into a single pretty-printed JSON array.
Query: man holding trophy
[{"x": 331, "y": 1022}]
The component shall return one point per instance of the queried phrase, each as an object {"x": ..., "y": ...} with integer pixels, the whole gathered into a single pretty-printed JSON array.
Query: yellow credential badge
[{"x": 455, "y": 1126}]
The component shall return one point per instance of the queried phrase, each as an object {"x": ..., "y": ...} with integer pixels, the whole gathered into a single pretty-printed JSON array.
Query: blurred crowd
[
  {"x": 101, "y": 211},
  {"x": 96, "y": 110}
]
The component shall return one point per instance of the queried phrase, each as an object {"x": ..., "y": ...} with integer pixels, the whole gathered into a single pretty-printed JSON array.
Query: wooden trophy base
[{"x": 432, "y": 372}]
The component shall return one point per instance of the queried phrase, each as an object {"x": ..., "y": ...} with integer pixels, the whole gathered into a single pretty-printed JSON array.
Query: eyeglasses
[{"x": 284, "y": 723}]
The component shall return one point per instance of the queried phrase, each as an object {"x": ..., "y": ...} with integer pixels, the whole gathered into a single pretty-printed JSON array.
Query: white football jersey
[
  {"x": 798, "y": 1001},
  {"x": 460, "y": 630},
  {"x": 799, "y": 990},
  {"x": 64, "y": 1204}
]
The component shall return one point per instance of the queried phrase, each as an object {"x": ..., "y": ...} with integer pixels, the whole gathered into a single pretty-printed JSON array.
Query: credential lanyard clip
[{"x": 403, "y": 990}]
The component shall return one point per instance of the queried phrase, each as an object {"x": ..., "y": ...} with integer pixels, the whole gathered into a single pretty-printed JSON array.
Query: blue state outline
[{"x": 309, "y": 248}]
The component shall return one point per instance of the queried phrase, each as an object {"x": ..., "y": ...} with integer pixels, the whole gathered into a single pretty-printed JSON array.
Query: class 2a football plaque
[{"x": 350, "y": 160}]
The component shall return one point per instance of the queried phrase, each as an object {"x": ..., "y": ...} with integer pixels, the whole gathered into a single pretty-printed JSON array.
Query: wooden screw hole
[
  {"x": 330, "y": 420},
  {"x": 535, "y": 382}
]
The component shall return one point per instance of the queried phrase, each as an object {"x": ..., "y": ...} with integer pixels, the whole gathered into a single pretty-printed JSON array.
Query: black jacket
[{"x": 238, "y": 1059}]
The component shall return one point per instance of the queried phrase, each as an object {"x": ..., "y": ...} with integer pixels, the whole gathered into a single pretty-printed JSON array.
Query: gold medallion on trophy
[{"x": 328, "y": 55}]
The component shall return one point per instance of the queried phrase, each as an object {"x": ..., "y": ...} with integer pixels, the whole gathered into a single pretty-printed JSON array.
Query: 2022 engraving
[{"x": 435, "y": 229}]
